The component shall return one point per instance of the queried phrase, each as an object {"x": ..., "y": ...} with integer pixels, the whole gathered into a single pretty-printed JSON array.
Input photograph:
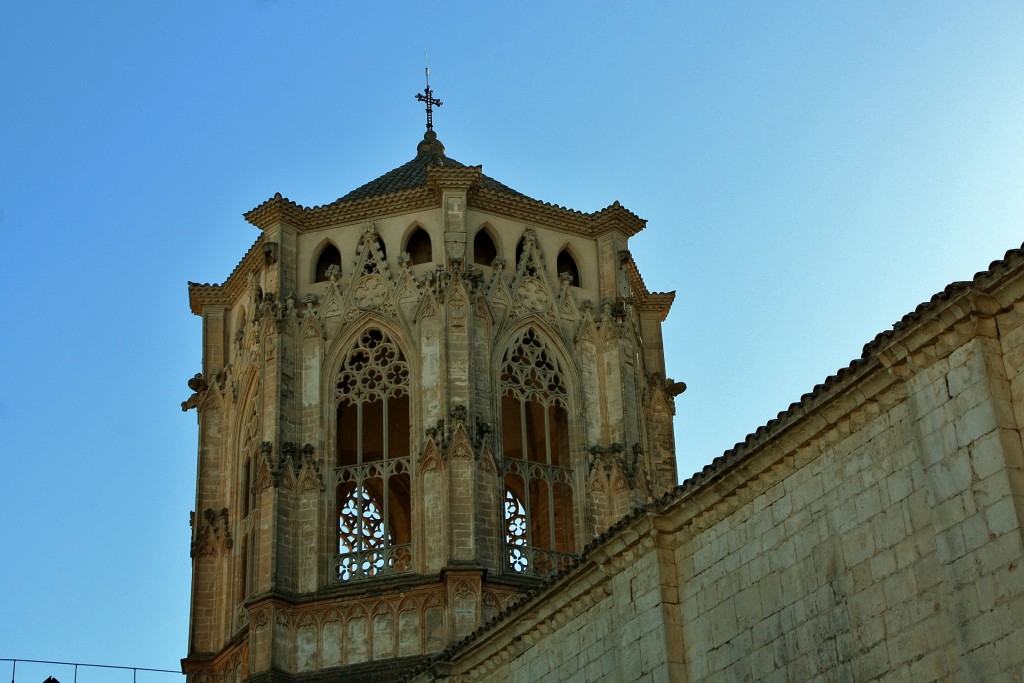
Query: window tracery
[
  {"x": 373, "y": 263},
  {"x": 515, "y": 531},
  {"x": 538, "y": 505},
  {"x": 372, "y": 474},
  {"x": 362, "y": 534}
]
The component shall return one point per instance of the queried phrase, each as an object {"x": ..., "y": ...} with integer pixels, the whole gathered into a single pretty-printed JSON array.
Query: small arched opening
[
  {"x": 329, "y": 256},
  {"x": 419, "y": 247},
  {"x": 484, "y": 251},
  {"x": 566, "y": 265}
]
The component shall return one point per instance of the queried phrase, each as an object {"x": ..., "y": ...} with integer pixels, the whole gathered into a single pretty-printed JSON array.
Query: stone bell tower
[{"x": 416, "y": 403}]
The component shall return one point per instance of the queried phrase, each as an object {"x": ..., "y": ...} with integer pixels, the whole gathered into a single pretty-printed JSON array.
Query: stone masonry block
[
  {"x": 977, "y": 422},
  {"x": 950, "y": 476},
  {"x": 991, "y": 489},
  {"x": 932, "y": 419},
  {"x": 989, "y": 454},
  {"x": 869, "y": 504},
  {"x": 950, "y": 544},
  {"x": 975, "y": 532},
  {"x": 966, "y": 366}
]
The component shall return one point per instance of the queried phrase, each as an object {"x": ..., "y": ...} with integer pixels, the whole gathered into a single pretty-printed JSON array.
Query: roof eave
[
  {"x": 203, "y": 294},
  {"x": 529, "y": 210},
  {"x": 275, "y": 210}
]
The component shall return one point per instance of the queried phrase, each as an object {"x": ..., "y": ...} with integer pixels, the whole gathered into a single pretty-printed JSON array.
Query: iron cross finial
[{"x": 427, "y": 97}]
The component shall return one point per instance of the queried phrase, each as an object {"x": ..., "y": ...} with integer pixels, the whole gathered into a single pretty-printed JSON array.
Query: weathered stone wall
[
  {"x": 887, "y": 546},
  {"x": 872, "y": 532}
]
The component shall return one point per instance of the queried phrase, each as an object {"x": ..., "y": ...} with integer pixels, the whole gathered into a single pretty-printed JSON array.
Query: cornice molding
[
  {"x": 203, "y": 294},
  {"x": 279, "y": 209},
  {"x": 643, "y": 299},
  {"x": 440, "y": 178}
]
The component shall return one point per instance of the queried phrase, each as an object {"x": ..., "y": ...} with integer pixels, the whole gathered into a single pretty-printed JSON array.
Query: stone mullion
[
  {"x": 385, "y": 494},
  {"x": 385, "y": 476},
  {"x": 359, "y": 432},
  {"x": 527, "y": 513},
  {"x": 386, "y": 436},
  {"x": 522, "y": 429},
  {"x": 548, "y": 472},
  {"x": 547, "y": 434}
]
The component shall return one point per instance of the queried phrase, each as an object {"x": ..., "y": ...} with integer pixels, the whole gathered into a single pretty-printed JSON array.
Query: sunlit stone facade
[
  {"x": 435, "y": 444},
  {"x": 870, "y": 533},
  {"x": 417, "y": 403}
]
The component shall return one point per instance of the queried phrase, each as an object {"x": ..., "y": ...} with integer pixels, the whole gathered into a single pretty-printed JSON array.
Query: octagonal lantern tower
[{"x": 416, "y": 403}]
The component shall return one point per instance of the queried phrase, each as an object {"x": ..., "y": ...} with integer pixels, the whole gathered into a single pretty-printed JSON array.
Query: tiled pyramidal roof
[
  {"x": 416, "y": 184},
  {"x": 413, "y": 174}
]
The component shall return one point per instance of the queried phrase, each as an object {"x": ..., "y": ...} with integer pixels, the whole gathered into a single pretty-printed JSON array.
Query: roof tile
[{"x": 413, "y": 174}]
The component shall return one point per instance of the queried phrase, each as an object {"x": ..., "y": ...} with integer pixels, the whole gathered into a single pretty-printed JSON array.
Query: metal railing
[{"x": 74, "y": 667}]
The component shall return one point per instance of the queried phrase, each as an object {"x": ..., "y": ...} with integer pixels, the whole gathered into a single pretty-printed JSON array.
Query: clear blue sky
[{"x": 810, "y": 173}]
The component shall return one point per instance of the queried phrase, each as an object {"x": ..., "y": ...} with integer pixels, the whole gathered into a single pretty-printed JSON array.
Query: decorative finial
[{"x": 427, "y": 97}]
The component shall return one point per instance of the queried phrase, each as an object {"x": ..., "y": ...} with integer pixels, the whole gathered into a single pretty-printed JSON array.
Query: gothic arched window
[
  {"x": 566, "y": 264},
  {"x": 484, "y": 251},
  {"x": 418, "y": 247},
  {"x": 372, "y": 476},
  {"x": 538, "y": 505},
  {"x": 329, "y": 256}
]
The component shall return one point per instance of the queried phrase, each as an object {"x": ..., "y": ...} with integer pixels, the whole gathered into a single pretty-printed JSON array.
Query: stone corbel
[
  {"x": 455, "y": 246},
  {"x": 199, "y": 386}
]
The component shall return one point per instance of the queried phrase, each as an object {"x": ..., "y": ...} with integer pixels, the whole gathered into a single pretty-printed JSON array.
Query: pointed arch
[
  {"x": 249, "y": 436},
  {"x": 566, "y": 265},
  {"x": 371, "y": 395},
  {"x": 538, "y": 510},
  {"x": 552, "y": 338},
  {"x": 343, "y": 344},
  {"x": 328, "y": 256},
  {"x": 484, "y": 247},
  {"x": 419, "y": 246}
]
